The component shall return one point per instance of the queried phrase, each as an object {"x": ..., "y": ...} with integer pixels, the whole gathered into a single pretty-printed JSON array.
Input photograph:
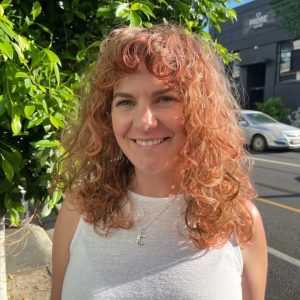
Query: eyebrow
[
  {"x": 124, "y": 95},
  {"x": 156, "y": 93}
]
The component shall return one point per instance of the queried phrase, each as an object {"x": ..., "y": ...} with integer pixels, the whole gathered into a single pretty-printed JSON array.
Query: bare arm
[
  {"x": 65, "y": 227},
  {"x": 255, "y": 260}
]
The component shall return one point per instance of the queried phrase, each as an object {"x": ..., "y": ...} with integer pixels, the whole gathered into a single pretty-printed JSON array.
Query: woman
[{"x": 158, "y": 196}]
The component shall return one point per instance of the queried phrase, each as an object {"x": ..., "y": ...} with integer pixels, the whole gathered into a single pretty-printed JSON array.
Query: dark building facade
[{"x": 270, "y": 60}]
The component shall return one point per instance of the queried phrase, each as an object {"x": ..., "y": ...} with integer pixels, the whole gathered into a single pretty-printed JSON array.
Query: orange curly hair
[{"x": 214, "y": 170}]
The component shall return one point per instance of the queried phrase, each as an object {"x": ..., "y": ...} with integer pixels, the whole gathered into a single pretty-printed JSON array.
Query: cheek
[
  {"x": 177, "y": 122},
  {"x": 119, "y": 124}
]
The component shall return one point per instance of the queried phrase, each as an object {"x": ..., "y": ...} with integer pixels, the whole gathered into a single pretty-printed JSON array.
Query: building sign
[{"x": 258, "y": 21}]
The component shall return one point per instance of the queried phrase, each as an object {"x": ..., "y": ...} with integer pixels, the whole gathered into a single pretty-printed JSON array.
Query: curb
[{"x": 3, "y": 283}]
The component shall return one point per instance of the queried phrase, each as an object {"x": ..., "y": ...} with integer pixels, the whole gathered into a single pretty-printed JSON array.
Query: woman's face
[{"x": 147, "y": 120}]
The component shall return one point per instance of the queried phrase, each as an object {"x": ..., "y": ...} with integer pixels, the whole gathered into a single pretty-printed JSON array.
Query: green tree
[
  {"x": 289, "y": 13},
  {"x": 43, "y": 47},
  {"x": 35, "y": 97},
  {"x": 275, "y": 108}
]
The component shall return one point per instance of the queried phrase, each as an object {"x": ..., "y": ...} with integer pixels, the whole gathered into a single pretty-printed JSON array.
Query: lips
[{"x": 150, "y": 142}]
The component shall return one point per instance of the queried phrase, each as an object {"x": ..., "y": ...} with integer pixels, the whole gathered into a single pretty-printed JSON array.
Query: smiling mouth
[{"x": 150, "y": 142}]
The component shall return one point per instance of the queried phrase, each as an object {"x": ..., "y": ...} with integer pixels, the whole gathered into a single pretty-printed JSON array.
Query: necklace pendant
[{"x": 139, "y": 239}]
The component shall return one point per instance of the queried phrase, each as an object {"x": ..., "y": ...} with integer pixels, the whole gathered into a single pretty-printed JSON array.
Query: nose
[{"x": 146, "y": 119}]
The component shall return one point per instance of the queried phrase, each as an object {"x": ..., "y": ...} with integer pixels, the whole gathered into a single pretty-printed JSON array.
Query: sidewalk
[{"x": 28, "y": 261}]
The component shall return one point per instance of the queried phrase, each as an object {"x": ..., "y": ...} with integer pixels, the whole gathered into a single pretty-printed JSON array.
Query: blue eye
[
  {"x": 125, "y": 103},
  {"x": 165, "y": 99}
]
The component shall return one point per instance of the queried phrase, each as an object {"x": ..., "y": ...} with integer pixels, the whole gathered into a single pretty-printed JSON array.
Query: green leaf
[
  {"x": 45, "y": 106},
  {"x": 231, "y": 14},
  {"x": 147, "y": 11},
  {"x": 46, "y": 211},
  {"x": 29, "y": 110},
  {"x": 14, "y": 158},
  {"x": 38, "y": 58},
  {"x": 47, "y": 143},
  {"x": 42, "y": 88},
  {"x": 17, "y": 159},
  {"x": 6, "y": 48},
  {"x": 44, "y": 28},
  {"x": 22, "y": 75},
  {"x": 16, "y": 124},
  {"x": 135, "y": 19},
  {"x": 103, "y": 11},
  {"x": 36, "y": 121},
  {"x": 7, "y": 201},
  {"x": 1, "y": 10},
  {"x": 56, "y": 122},
  {"x": 122, "y": 10},
  {"x": 81, "y": 55},
  {"x": 80, "y": 15},
  {"x": 7, "y": 26},
  {"x": 27, "y": 83},
  {"x": 7, "y": 169},
  {"x": 36, "y": 10},
  {"x": 147, "y": 24},
  {"x": 57, "y": 74},
  {"x": 5, "y": 3},
  {"x": 56, "y": 197},
  {"x": 14, "y": 217},
  {"x": 21, "y": 57},
  {"x": 22, "y": 42},
  {"x": 135, "y": 6},
  {"x": 19, "y": 207},
  {"x": 53, "y": 60},
  {"x": 3, "y": 102},
  {"x": 184, "y": 8}
]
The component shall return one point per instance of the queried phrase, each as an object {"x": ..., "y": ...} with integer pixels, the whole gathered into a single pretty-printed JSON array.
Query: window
[
  {"x": 235, "y": 73},
  {"x": 260, "y": 118},
  {"x": 285, "y": 53}
]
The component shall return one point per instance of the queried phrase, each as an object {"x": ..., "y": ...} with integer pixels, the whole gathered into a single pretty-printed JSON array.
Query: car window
[{"x": 260, "y": 118}]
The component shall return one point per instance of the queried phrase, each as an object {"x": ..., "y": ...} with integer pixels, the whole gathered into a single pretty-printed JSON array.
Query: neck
[{"x": 162, "y": 185}]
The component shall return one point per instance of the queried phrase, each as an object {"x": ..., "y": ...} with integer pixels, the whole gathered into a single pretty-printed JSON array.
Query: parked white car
[{"x": 263, "y": 132}]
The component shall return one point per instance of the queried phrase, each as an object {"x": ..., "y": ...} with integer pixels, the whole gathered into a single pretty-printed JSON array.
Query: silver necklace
[{"x": 142, "y": 235}]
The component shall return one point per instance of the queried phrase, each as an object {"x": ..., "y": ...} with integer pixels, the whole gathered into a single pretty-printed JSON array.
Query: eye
[
  {"x": 126, "y": 103},
  {"x": 165, "y": 99}
]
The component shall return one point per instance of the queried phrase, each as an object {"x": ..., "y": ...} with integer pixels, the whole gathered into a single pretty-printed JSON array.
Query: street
[{"x": 277, "y": 178}]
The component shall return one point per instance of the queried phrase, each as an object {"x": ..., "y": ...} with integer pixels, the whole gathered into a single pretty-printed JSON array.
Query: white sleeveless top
[{"x": 167, "y": 266}]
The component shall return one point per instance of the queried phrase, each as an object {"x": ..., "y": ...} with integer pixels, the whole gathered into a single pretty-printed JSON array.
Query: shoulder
[
  {"x": 67, "y": 220},
  {"x": 257, "y": 226},
  {"x": 258, "y": 240},
  {"x": 65, "y": 227},
  {"x": 255, "y": 258}
]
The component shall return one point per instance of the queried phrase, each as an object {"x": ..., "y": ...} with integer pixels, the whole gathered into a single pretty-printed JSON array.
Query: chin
[{"x": 155, "y": 169}]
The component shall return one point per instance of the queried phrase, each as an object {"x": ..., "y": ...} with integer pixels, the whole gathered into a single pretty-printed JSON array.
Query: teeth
[{"x": 149, "y": 143}]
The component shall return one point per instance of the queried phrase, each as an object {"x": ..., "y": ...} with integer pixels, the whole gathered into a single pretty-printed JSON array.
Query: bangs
[{"x": 163, "y": 55}]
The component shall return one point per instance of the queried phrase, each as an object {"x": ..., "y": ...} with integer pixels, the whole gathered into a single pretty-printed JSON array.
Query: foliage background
[
  {"x": 289, "y": 13},
  {"x": 274, "y": 107},
  {"x": 44, "y": 48}
]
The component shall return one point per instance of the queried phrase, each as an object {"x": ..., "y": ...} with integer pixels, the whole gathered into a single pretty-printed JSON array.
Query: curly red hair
[{"x": 214, "y": 169}]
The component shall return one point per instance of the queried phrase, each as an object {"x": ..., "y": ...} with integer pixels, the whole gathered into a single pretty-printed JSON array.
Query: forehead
[{"x": 141, "y": 79}]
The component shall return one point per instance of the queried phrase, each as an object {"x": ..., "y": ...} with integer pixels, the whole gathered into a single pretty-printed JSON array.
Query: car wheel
[{"x": 259, "y": 143}]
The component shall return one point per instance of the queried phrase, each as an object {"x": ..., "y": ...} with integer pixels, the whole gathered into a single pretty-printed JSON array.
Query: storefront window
[
  {"x": 235, "y": 73},
  {"x": 285, "y": 71}
]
